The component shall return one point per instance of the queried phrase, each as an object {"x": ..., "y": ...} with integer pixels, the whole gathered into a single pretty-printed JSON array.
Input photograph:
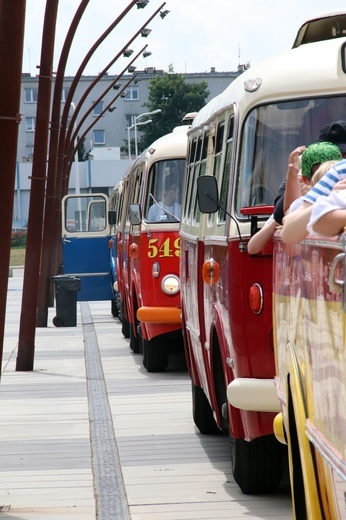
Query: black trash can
[{"x": 66, "y": 288}]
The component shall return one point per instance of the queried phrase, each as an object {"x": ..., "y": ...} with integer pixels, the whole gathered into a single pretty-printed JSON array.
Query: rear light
[
  {"x": 133, "y": 251},
  {"x": 110, "y": 243},
  {"x": 211, "y": 272},
  {"x": 119, "y": 246},
  {"x": 256, "y": 298}
]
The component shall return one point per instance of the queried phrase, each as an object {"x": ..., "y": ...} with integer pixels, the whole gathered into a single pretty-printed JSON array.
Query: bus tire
[
  {"x": 125, "y": 327},
  {"x": 134, "y": 341},
  {"x": 114, "y": 308},
  {"x": 257, "y": 465},
  {"x": 155, "y": 355},
  {"x": 202, "y": 412}
]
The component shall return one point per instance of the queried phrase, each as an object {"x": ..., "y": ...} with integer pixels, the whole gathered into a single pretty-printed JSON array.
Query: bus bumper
[
  {"x": 163, "y": 315},
  {"x": 257, "y": 395}
]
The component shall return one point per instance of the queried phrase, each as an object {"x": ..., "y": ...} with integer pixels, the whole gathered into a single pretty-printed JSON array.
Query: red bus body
[
  {"x": 149, "y": 253},
  {"x": 238, "y": 149}
]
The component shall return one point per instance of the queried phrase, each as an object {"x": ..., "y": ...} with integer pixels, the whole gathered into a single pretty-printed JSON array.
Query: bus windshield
[
  {"x": 85, "y": 214},
  {"x": 165, "y": 181},
  {"x": 271, "y": 132}
]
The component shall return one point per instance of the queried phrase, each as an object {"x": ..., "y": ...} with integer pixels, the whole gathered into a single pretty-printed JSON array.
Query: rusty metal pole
[
  {"x": 46, "y": 290},
  {"x": 51, "y": 232},
  {"x": 26, "y": 342},
  {"x": 12, "y": 20},
  {"x": 62, "y": 177}
]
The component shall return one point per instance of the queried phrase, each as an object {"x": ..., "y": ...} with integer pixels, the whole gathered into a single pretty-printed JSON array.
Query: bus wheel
[
  {"x": 202, "y": 412},
  {"x": 125, "y": 328},
  {"x": 134, "y": 341},
  {"x": 114, "y": 308},
  {"x": 155, "y": 355},
  {"x": 257, "y": 465}
]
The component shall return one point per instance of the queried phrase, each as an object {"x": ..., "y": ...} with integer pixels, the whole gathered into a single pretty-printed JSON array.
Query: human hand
[
  {"x": 294, "y": 156},
  {"x": 294, "y": 161},
  {"x": 341, "y": 185},
  {"x": 304, "y": 188}
]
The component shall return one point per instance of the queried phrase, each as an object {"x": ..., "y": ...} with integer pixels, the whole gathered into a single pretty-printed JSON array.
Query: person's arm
[
  {"x": 331, "y": 223},
  {"x": 293, "y": 190},
  {"x": 261, "y": 238},
  {"x": 295, "y": 224}
]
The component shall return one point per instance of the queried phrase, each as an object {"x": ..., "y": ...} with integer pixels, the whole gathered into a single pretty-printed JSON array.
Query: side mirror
[
  {"x": 112, "y": 217},
  {"x": 135, "y": 215},
  {"x": 207, "y": 194}
]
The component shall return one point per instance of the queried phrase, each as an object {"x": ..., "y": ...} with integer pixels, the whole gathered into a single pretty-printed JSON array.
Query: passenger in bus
[
  {"x": 328, "y": 216},
  {"x": 167, "y": 209},
  {"x": 296, "y": 225},
  {"x": 299, "y": 183},
  {"x": 294, "y": 188},
  {"x": 332, "y": 133}
]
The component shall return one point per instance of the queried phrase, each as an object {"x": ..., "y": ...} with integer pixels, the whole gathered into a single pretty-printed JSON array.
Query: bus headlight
[{"x": 170, "y": 284}]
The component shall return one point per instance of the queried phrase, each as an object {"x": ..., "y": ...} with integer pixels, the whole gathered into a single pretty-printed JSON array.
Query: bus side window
[{"x": 226, "y": 171}]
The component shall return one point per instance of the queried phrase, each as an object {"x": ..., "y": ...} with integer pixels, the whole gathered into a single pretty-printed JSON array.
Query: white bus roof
[
  {"x": 173, "y": 145},
  {"x": 322, "y": 26},
  {"x": 305, "y": 71}
]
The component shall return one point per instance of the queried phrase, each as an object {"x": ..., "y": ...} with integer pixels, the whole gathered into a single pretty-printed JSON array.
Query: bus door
[{"x": 85, "y": 236}]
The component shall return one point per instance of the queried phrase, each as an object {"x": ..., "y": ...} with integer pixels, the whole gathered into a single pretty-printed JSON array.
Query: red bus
[
  {"x": 238, "y": 148},
  {"x": 149, "y": 250}
]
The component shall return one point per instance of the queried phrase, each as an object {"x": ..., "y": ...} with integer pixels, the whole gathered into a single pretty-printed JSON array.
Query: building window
[
  {"x": 64, "y": 94},
  {"x": 132, "y": 94},
  {"x": 31, "y": 95},
  {"x": 130, "y": 120},
  {"x": 29, "y": 151},
  {"x": 30, "y": 123},
  {"x": 99, "y": 137},
  {"x": 98, "y": 109}
]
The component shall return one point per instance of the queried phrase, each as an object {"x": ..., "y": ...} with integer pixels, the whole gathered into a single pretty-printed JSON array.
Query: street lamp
[
  {"x": 158, "y": 111},
  {"x": 77, "y": 186},
  {"x": 128, "y": 135}
]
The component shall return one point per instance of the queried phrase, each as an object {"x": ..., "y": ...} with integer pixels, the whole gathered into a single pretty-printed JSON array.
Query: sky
[{"x": 195, "y": 36}]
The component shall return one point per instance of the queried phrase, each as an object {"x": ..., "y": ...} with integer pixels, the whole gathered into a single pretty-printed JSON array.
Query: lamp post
[
  {"x": 158, "y": 111},
  {"x": 128, "y": 135},
  {"x": 77, "y": 186}
]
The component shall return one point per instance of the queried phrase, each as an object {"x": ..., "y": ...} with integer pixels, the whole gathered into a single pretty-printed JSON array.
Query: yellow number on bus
[
  {"x": 152, "y": 247},
  {"x": 164, "y": 250}
]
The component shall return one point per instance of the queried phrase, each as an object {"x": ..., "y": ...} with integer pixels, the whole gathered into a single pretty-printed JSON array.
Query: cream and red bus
[
  {"x": 238, "y": 148},
  {"x": 149, "y": 250}
]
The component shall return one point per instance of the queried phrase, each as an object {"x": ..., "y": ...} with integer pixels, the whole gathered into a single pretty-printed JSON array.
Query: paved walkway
[{"x": 89, "y": 434}]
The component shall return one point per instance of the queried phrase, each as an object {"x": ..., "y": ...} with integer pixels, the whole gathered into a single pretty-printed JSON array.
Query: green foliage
[
  {"x": 82, "y": 154},
  {"x": 175, "y": 97},
  {"x": 18, "y": 239}
]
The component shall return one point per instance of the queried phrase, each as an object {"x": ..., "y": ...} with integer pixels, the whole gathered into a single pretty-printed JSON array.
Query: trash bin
[{"x": 66, "y": 288}]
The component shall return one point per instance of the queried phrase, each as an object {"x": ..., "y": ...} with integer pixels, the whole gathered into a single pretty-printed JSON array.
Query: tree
[
  {"x": 175, "y": 97},
  {"x": 82, "y": 153}
]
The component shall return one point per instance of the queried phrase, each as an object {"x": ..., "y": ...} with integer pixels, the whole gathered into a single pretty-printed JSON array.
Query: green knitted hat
[{"x": 318, "y": 153}]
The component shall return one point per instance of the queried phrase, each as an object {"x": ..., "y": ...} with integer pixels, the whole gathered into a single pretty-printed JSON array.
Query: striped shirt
[{"x": 325, "y": 185}]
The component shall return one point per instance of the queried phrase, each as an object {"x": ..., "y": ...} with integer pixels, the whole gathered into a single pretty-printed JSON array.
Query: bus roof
[
  {"x": 322, "y": 26},
  {"x": 303, "y": 72},
  {"x": 170, "y": 145}
]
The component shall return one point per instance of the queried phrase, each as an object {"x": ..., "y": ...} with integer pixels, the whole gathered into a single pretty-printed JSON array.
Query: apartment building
[{"x": 103, "y": 140}]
